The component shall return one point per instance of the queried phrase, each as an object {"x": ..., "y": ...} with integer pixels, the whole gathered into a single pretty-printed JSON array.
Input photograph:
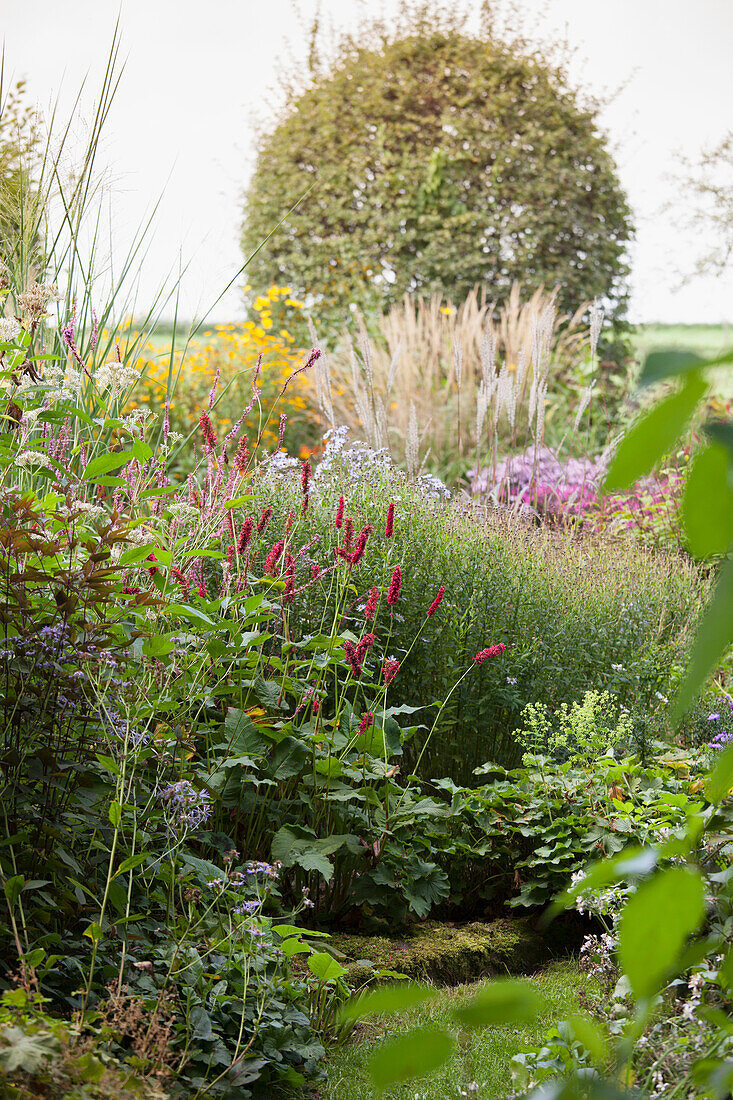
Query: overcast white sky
[{"x": 197, "y": 74}]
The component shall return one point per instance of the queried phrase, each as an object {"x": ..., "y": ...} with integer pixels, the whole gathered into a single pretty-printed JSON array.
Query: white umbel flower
[
  {"x": 115, "y": 376},
  {"x": 9, "y": 329},
  {"x": 31, "y": 458}
]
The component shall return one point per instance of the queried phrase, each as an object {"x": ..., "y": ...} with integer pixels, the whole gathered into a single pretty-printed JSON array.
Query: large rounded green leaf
[
  {"x": 412, "y": 1055},
  {"x": 655, "y": 925}
]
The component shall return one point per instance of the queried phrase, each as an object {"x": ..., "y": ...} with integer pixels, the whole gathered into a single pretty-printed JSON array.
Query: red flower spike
[
  {"x": 350, "y": 651},
  {"x": 208, "y": 432},
  {"x": 394, "y": 586},
  {"x": 131, "y": 590},
  {"x": 340, "y": 513},
  {"x": 264, "y": 520},
  {"x": 202, "y": 591},
  {"x": 371, "y": 605},
  {"x": 358, "y": 552},
  {"x": 436, "y": 602},
  {"x": 241, "y": 456},
  {"x": 348, "y": 532},
  {"x": 315, "y": 570},
  {"x": 274, "y": 556},
  {"x": 364, "y": 645},
  {"x": 179, "y": 576},
  {"x": 366, "y": 723},
  {"x": 490, "y": 651},
  {"x": 390, "y": 668},
  {"x": 245, "y": 535},
  {"x": 289, "y": 578},
  {"x": 389, "y": 526}
]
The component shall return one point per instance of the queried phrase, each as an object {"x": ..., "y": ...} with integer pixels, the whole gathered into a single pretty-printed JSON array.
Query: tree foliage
[
  {"x": 19, "y": 142},
  {"x": 430, "y": 159},
  {"x": 707, "y": 187}
]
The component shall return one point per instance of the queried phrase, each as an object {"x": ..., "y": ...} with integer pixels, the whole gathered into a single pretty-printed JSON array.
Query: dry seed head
[
  {"x": 584, "y": 403},
  {"x": 34, "y": 301},
  {"x": 392, "y": 370},
  {"x": 412, "y": 444},
  {"x": 596, "y": 324},
  {"x": 458, "y": 364},
  {"x": 482, "y": 405},
  {"x": 488, "y": 355}
]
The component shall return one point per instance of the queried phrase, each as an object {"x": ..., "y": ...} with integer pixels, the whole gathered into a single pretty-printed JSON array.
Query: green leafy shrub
[{"x": 432, "y": 159}]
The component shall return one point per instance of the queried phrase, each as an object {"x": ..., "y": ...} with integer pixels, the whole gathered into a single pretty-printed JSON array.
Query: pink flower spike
[
  {"x": 366, "y": 723},
  {"x": 371, "y": 605},
  {"x": 245, "y": 535},
  {"x": 389, "y": 526},
  {"x": 350, "y": 651},
  {"x": 436, "y": 602},
  {"x": 358, "y": 552},
  {"x": 390, "y": 668},
  {"x": 274, "y": 556},
  {"x": 340, "y": 513},
  {"x": 364, "y": 645},
  {"x": 490, "y": 651},
  {"x": 394, "y": 586},
  {"x": 208, "y": 432}
]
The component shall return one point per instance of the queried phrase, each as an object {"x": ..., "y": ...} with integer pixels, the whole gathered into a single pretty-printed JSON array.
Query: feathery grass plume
[
  {"x": 406, "y": 383},
  {"x": 412, "y": 444},
  {"x": 322, "y": 376}
]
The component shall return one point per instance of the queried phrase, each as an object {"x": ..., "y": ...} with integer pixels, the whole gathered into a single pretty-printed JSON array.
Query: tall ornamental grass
[{"x": 447, "y": 387}]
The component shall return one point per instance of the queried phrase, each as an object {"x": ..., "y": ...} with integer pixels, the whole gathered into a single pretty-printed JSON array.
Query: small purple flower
[
  {"x": 713, "y": 717},
  {"x": 247, "y": 907},
  {"x": 187, "y": 808}
]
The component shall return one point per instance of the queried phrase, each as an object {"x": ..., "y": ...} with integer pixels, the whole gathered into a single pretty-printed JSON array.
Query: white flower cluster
[
  {"x": 59, "y": 383},
  {"x": 185, "y": 514},
  {"x": 93, "y": 512},
  {"x": 31, "y": 458},
  {"x": 137, "y": 418},
  {"x": 433, "y": 487},
  {"x": 9, "y": 329},
  {"x": 136, "y": 535},
  {"x": 116, "y": 376}
]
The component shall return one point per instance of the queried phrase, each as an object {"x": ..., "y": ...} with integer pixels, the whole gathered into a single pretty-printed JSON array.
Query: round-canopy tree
[{"x": 437, "y": 160}]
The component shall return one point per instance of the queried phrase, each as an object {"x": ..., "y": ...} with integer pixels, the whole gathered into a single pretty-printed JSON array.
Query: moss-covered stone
[{"x": 445, "y": 953}]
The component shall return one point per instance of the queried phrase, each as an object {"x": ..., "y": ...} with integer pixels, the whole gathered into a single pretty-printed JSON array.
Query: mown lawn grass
[{"x": 483, "y": 1057}]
